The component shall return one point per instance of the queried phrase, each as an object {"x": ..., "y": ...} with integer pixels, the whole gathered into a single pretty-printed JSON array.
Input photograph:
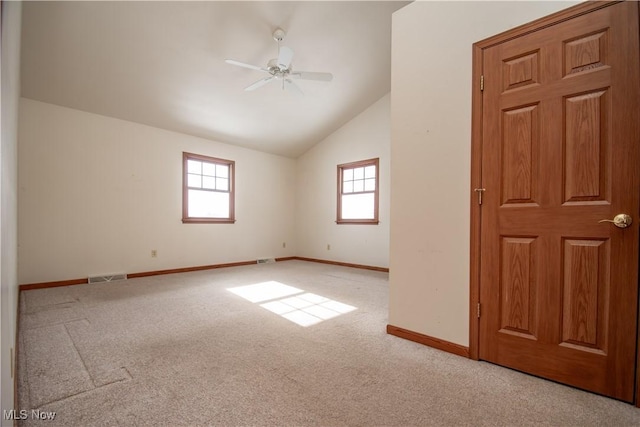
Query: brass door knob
[{"x": 620, "y": 220}]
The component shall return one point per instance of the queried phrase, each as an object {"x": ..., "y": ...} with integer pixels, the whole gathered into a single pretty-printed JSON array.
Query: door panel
[
  {"x": 585, "y": 294},
  {"x": 561, "y": 151},
  {"x": 586, "y": 147},
  {"x": 518, "y": 286},
  {"x": 520, "y": 145}
]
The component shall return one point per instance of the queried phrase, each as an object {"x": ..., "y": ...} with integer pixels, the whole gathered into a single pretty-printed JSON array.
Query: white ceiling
[{"x": 162, "y": 64}]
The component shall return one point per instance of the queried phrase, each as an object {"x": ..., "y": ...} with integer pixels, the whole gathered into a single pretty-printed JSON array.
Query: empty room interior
[{"x": 320, "y": 213}]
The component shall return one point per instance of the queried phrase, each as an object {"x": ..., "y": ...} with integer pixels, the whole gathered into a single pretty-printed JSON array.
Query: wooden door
[{"x": 560, "y": 152}]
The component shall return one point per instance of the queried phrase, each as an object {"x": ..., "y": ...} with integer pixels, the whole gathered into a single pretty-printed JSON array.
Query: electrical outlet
[
  {"x": 284, "y": 244},
  {"x": 154, "y": 253},
  {"x": 328, "y": 247}
]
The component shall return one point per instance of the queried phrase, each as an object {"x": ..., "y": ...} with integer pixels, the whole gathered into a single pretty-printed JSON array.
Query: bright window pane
[
  {"x": 278, "y": 307},
  {"x": 222, "y": 184},
  {"x": 338, "y": 306},
  {"x": 194, "y": 166},
  {"x": 316, "y": 299},
  {"x": 370, "y": 172},
  {"x": 208, "y": 204},
  {"x": 265, "y": 291},
  {"x": 358, "y": 206},
  {"x": 209, "y": 169},
  {"x": 222, "y": 171},
  {"x": 297, "y": 302},
  {"x": 358, "y": 185},
  {"x": 302, "y": 318},
  {"x": 358, "y": 173},
  {"x": 209, "y": 182},
  {"x": 347, "y": 175},
  {"x": 194, "y": 180},
  {"x": 347, "y": 187},
  {"x": 370, "y": 184},
  {"x": 321, "y": 312}
]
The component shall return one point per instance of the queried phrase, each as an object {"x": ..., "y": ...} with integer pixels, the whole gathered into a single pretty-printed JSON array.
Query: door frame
[{"x": 476, "y": 162}]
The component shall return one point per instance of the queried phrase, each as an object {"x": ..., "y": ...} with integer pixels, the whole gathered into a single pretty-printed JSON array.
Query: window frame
[
  {"x": 186, "y": 219},
  {"x": 353, "y": 165}
]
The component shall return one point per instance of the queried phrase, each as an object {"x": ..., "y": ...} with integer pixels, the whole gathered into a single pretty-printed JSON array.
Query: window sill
[
  {"x": 358, "y": 221},
  {"x": 208, "y": 221}
]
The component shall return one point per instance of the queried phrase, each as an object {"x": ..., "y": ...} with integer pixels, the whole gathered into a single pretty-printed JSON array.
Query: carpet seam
[
  {"x": 93, "y": 383},
  {"x": 81, "y": 393},
  {"x": 35, "y": 328}
]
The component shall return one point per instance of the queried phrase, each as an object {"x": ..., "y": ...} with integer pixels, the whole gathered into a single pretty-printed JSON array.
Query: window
[
  {"x": 358, "y": 192},
  {"x": 207, "y": 192}
]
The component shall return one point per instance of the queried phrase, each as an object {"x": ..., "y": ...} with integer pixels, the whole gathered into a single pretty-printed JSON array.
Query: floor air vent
[
  {"x": 107, "y": 278},
  {"x": 266, "y": 260}
]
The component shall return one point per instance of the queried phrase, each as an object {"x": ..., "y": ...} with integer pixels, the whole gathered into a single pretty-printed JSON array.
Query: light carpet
[{"x": 182, "y": 349}]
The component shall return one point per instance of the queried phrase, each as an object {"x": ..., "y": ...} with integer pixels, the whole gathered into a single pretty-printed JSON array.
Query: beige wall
[
  {"x": 94, "y": 191},
  {"x": 97, "y": 194},
  {"x": 430, "y": 157},
  {"x": 11, "y": 14},
  {"x": 366, "y": 136}
]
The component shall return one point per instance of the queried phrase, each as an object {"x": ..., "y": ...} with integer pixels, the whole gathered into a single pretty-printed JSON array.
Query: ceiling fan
[{"x": 279, "y": 69}]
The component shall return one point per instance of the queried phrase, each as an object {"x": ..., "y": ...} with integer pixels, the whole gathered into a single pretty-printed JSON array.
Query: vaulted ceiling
[{"x": 163, "y": 64}]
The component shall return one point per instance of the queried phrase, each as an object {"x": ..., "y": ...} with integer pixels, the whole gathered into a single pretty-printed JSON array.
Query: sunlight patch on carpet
[
  {"x": 265, "y": 291},
  {"x": 304, "y": 309}
]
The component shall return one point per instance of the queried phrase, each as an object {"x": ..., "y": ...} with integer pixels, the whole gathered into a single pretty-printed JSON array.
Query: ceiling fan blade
[
  {"x": 285, "y": 56},
  {"x": 242, "y": 64},
  {"x": 292, "y": 87},
  {"x": 258, "y": 84},
  {"x": 306, "y": 75}
]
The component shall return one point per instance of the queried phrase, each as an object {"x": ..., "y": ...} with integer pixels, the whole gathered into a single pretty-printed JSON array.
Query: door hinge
[
  {"x": 478, "y": 310},
  {"x": 479, "y": 191},
  {"x": 481, "y": 83}
]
